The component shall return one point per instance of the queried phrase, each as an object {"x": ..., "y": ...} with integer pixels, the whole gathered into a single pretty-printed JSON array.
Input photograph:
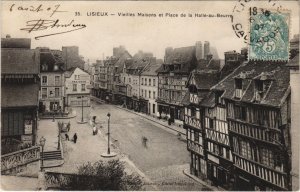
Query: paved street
[
  {"x": 162, "y": 160},
  {"x": 164, "y": 157}
]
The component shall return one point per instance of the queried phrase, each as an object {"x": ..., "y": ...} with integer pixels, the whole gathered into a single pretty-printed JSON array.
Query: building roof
[
  {"x": 276, "y": 72},
  {"x": 139, "y": 62},
  {"x": 150, "y": 70},
  {"x": 182, "y": 55},
  {"x": 19, "y": 61},
  {"x": 24, "y": 43},
  {"x": 205, "y": 79},
  {"x": 19, "y": 95},
  {"x": 294, "y": 63}
]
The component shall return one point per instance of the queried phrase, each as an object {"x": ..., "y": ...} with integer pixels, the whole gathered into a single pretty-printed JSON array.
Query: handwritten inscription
[
  {"x": 42, "y": 24},
  {"x": 40, "y": 8}
]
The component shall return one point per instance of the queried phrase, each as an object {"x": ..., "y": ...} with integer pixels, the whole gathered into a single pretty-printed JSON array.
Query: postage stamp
[{"x": 269, "y": 35}]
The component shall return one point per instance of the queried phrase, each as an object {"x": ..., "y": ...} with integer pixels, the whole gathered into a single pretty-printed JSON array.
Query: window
[
  {"x": 142, "y": 81},
  {"x": 82, "y": 87},
  {"x": 196, "y": 137},
  {"x": 56, "y": 92},
  {"x": 74, "y": 87},
  {"x": 259, "y": 85},
  {"x": 44, "y": 80},
  {"x": 142, "y": 92},
  {"x": 153, "y": 108},
  {"x": 145, "y": 81},
  {"x": 129, "y": 80},
  {"x": 149, "y": 82},
  {"x": 211, "y": 123},
  {"x": 44, "y": 93},
  {"x": 57, "y": 80},
  {"x": 153, "y": 94},
  {"x": 193, "y": 112},
  {"x": 267, "y": 157},
  {"x": 76, "y": 77},
  {"x": 149, "y": 94},
  {"x": 240, "y": 113},
  {"x": 154, "y": 82},
  {"x": 238, "y": 83},
  {"x": 245, "y": 149},
  {"x": 145, "y": 94}
]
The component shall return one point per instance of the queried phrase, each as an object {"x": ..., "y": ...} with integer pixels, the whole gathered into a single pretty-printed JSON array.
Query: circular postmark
[
  {"x": 264, "y": 30},
  {"x": 240, "y": 18}
]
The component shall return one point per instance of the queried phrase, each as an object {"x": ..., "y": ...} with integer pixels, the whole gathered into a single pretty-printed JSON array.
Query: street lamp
[
  {"x": 81, "y": 109},
  {"x": 108, "y": 154},
  {"x": 108, "y": 135},
  {"x": 82, "y": 120},
  {"x": 42, "y": 143}
]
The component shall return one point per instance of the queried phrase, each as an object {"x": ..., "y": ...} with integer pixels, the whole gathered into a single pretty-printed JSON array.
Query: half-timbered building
[
  {"x": 172, "y": 79},
  {"x": 255, "y": 96}
]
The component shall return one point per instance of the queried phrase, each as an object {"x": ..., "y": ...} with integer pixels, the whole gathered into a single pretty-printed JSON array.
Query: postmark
[
  {"x": 269, "y": 34},
  {"x": 240, "y": 19}
]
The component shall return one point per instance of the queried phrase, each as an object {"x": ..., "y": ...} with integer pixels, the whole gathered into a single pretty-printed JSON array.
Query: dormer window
[
  {"x": 260, "y": 89},
  {"x": 238, "y": 88},
  {"x": 218, "y": 98}
]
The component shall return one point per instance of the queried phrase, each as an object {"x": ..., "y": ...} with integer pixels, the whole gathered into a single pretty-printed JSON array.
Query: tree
[{"x": 104, "y": 176}]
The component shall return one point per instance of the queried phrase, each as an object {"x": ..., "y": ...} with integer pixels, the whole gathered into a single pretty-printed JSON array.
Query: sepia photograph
[{"x": 150, "y": 95}]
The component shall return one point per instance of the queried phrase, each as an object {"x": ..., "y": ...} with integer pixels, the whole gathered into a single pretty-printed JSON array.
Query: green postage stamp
[{"x": 269, "y": 35}]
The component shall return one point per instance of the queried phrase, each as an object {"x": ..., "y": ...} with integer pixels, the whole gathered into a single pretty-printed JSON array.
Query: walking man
[{"x": 75, "y": 138}]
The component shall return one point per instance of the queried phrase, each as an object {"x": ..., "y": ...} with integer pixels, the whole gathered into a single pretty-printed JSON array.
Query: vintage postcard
[{"x": 150, "y": 95}]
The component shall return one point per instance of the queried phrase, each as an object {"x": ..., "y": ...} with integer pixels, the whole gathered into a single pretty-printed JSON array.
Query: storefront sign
[
  {"x": 28, "y": 127},
  {"x": 213, "y": 158},
  {"x": 26, "y": 138}
]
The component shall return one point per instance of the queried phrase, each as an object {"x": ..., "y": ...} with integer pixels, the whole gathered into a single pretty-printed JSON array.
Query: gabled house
[
  {"x": 52, "y": 96},
  {"x": 172, "y": 79},
  {"x": 255, "y": 96}
]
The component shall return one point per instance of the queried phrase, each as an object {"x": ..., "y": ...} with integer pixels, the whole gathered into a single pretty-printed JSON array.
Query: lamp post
[
  {"x": 108, "y": 135},
  {"x": 82, "y": 121},
  {"x": 60, "y": 124},
  {"x": 42, "y": 143},
  {"x": 108, "y": 154},
  {"x": 81, "y": 109}
]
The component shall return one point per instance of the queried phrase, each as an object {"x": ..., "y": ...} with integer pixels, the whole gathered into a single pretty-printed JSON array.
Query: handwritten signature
[{"x": 42, "y": 24}]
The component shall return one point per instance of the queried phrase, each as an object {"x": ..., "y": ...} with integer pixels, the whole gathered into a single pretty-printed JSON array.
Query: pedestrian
[
  {"x": 94, "y": 130},
  {"x": 75, "y": 138},
  {"x": 67, "y": 136}
]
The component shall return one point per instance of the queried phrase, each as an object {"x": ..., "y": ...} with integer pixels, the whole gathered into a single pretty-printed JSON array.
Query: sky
[{"x": 150, "y": 34}]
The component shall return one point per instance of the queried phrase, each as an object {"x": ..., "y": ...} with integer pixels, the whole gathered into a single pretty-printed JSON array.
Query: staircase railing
[{"x": 19, "y": 158}]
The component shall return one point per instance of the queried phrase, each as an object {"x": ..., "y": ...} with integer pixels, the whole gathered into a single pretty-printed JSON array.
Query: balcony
[
  {"x": 192, "y": 121},
  {"x": 195, "y": 147},
  {"x": 273, "y": 176},
  {"x": 260, "y": 133},
  {"x": 194, "y": 98}
]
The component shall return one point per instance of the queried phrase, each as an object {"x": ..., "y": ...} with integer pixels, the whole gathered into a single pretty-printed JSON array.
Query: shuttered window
[{"x": 12, "y": 123}]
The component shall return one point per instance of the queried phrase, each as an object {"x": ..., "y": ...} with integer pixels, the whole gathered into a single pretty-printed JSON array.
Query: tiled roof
[
  {"x": 209, "y": 100},
  {"x": 152, "y": 67},
  {"x": 19, "y": 61},
  {"x": 276, "y": 72},
  {"x": 139, "y": 62},
  {"x": 205, "y": 79},
  {"x": 19, "y": 95}
]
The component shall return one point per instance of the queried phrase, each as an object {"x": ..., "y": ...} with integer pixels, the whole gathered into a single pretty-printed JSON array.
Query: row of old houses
[
  {"x": 34, "y": 83},
  {"x": 239, "y": 115}
]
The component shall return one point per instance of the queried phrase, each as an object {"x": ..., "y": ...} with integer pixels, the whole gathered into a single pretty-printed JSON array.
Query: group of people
[{"x": 74, "y": 139}]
